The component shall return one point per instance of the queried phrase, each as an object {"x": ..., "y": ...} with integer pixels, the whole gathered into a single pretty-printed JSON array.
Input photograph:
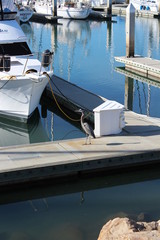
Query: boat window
[{"x": 15, "y": 49}]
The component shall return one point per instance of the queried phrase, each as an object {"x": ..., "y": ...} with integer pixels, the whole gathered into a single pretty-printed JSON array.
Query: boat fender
[
  {"x": 7, "y": 63},
  {"x": 46, "y": 58},
  {"x": 1, "y": 63}
]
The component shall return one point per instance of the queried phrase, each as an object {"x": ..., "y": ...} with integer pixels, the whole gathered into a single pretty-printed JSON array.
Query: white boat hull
[
  {"x": 22, "y": 77},
  {"x": 73, "y": 13},
  {"x": 20, "y": 97}
]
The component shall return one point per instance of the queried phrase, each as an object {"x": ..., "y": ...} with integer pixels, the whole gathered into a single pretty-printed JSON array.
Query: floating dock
[
  {"x": 137, "y": 145},
  {"x": 44, "y": 18},
  {"x": 144, "y": 66}
]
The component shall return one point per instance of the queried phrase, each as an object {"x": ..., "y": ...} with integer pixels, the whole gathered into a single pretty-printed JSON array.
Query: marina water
[{"x": 84, "y": 54}]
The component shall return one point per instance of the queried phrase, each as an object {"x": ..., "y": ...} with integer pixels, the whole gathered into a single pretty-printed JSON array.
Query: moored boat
[
  {"x": 147, "y": 5},
  {"x": 25, "y": 14},
  {"x": 66, "y": 10},
  {"x": 73, "y": 11},
  {"x": 22, "y": 76}
]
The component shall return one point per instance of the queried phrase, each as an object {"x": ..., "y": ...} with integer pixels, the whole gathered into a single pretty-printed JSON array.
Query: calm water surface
[{"x": 84, "y": 54}]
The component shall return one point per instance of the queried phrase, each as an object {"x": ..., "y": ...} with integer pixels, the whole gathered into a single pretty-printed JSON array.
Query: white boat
[
  {"x": 67, "y": 10},
  {"x": 44, "y": 7},
  {"x": 147, "y": 5},
  {"x": 24, "y": 13},
  {"x": 73, "y": 11},
  {"x": 22, "y": 78}
]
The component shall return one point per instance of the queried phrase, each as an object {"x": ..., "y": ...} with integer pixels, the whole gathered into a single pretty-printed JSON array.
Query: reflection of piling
[
  {"x": 130, "y": 30},
  {"x": 128, "y": 93}
]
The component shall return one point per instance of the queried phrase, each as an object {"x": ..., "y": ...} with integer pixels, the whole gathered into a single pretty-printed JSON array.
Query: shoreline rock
[{"x": 128, "y": 229}]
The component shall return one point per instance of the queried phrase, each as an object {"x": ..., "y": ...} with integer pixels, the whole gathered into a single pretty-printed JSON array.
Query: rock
[{"x": 128, "y": 229}]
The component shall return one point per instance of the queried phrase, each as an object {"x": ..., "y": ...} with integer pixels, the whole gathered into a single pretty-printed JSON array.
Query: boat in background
[
  {"x": 24, "y": 11},
  {"x": 23, "y": 76},
  {"x": 147, "y": 5},
  {"x": 73, "y": 10},
  {"x": 69, "y": 10}
]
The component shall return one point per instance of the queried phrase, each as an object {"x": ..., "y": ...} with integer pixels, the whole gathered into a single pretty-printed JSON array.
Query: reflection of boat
[
  {"x": 15, "y": 133},
  {"x": 73, "y": 11},
  {"x": 148, "y": 5},
  {"x": 22, "y": 79}
]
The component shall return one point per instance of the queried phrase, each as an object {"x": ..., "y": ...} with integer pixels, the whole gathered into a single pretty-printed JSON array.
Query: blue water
[{"x": 84, "y": 54}]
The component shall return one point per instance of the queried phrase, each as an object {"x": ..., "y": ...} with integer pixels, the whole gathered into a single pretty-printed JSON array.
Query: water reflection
[
  {"x": 140, "y": 86},
  {"x": 17, "y": 133},
  {"x": 80, "y": 207}
]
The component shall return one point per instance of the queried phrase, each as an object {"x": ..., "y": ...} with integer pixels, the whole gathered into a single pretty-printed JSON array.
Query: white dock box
[{"x": 109, "y": 118}]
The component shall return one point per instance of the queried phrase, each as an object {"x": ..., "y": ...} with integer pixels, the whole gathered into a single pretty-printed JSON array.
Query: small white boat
[
  {"x": 73, "y": 11},
  {"x": 22, "y": 78},
  {"x": 147, "y": 5},
  {"x": 24, "y": 14}
]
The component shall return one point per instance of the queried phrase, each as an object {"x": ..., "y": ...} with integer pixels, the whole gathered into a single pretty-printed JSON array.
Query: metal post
[{"x": 130, "y": 30}]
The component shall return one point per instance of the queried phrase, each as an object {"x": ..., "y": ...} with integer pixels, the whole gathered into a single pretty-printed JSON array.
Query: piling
[
  {"x": 130, "y": 30},
  {"x": 54, "y": 4},
  {"x": 129, "y": 85},
  {"x": 109, "y": 7}
]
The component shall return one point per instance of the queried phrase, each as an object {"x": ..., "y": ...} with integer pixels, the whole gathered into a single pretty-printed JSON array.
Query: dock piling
[
  {"x": 130, "y": 30},
  {"x": 109, "y": 7}
]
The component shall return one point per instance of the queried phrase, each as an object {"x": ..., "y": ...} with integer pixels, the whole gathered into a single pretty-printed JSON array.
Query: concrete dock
[{"x": 138, "y": 144}]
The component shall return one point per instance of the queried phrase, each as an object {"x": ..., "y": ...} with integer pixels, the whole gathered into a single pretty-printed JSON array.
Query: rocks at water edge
[{"x": 127, "y": 229}]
